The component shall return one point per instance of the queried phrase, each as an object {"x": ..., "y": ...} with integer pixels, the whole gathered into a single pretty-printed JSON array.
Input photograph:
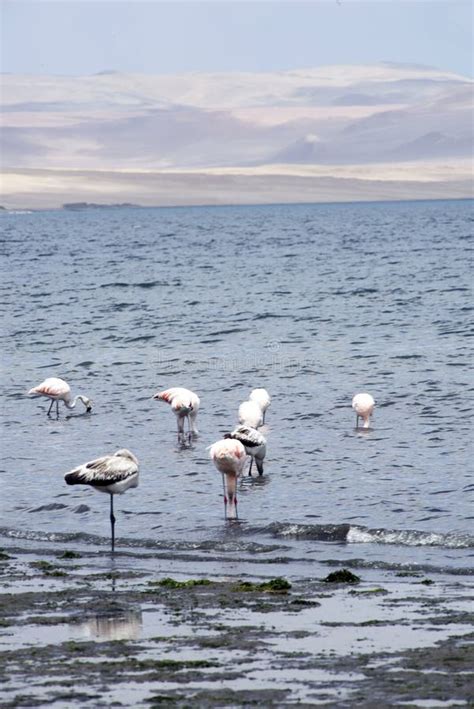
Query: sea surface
[{"x": 314, "y": 303}]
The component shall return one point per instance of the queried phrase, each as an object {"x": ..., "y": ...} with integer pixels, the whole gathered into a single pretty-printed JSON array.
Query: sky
[{"x": 88, "y": 36}]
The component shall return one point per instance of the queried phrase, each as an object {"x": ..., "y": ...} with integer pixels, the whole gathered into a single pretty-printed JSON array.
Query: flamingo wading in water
[
  {"x": 111, "y": 473},
  {"x": 364, "y": 405},
  {"x": 58, "y": 390},
  {"x": 262, "y": 398},
  {"x": 254, "y": 443},
  {"x": 185, "y": 405},
  {"x": 229, "y": 458},
  {"x": 250, "y": 414}
]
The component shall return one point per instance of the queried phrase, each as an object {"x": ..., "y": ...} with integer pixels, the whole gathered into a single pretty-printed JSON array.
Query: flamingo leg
[
  {"x": 225, "y": 497},
  {"x": 50, "y": 407},
  {"x": 180, "y": 429},
  {"x": 263, "y": 420},
  {"x": 112, "y": 521},
  {"x": 251, "y": 463},
  {"x": 57, "y": 408},
  {"x": 357, "y": 420}
]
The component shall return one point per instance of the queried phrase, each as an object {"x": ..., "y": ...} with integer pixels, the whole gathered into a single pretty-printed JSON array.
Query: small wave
[
  {"x": 49, "y": 508},
  {"x": 354, "y": 534},
  {"x": 410, "y": 537},
  {"x": 318, "y": 532},
  {"x": 169, "y": 546}
]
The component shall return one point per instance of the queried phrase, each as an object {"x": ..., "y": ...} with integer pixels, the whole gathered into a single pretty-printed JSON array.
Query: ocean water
[{"x": 312, "y": 302}]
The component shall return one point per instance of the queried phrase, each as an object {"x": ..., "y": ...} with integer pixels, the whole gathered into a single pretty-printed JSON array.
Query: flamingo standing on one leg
[
  {"x": 250, "y": 414},
  {"x": 112, "y": 473},
  {"x": 364, "y": 405},
  {"x": 185, "y": 405},
  {"x": 58, "y": 390},
  {"x": 254, "y": 443},
  {"x": 262, "y": 398},
  {"x": 229, "y": 458}
]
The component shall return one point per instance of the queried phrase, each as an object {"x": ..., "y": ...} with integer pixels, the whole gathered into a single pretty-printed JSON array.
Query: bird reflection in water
[{"x": 126, "y": 626}]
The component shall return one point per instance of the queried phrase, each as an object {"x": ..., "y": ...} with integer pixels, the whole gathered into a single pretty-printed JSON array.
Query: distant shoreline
[{"x": 94, "y": 207}]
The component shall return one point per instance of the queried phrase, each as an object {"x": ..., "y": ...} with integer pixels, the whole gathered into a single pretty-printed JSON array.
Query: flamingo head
[{"x": 87, "y": 402}]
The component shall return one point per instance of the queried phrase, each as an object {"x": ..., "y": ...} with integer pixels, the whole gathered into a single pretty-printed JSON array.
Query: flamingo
[
  {"x": 254, "y": 443},
  {"x": 185, "y": 405},
  {"x": 111, "y": 473},
  {"x": 250, "y": 414},
  {"x": 229, "y": 458},
  {"x": 263, "y": 399},
  {"x": 363, "y": 405},
  {"x": 58, "y": 390}
]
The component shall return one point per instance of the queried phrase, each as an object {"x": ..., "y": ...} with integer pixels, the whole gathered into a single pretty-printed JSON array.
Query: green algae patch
[
  {"x": 162, "y": 700},
  {"x": 427, "y": 582},
  {"x": 70, "y": 555},
  {"x": 172, "y": 583},
  {"x": 174, "y": 665},
  {"x": 304, "y": 603},
  {"x": 278, "y": 585},
  {"x": 4, "y": 556},
  {"x": 342, "y": 576},
  {"x": 47, "y": 568}
]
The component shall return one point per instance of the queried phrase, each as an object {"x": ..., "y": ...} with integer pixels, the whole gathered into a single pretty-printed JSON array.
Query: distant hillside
[
  {"x": 113, "y": 120},
  {"x": 329, "y": 116}
]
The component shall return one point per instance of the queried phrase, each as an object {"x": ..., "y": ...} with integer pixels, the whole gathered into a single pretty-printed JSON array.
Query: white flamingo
[
  {"x": 364, "y": 405},
  {"x": 250, "y": 414},
  {"x": 111, "y": 473},
  {"x": 262, "y": 398},
  {"x": 254, "y": 443},
  {"x": 185, "y": 405},
  {"x": 229, "y": 458},
  {"x": 58, "y": 390}
]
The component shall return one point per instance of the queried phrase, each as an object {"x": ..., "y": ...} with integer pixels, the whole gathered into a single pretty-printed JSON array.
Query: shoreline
[{"x": 88, "y": 630}]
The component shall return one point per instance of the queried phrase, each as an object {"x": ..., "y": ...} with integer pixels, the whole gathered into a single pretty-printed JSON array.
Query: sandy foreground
[
  {"x": 79, "y": 629},
  {"x": 26, "y": 188}
]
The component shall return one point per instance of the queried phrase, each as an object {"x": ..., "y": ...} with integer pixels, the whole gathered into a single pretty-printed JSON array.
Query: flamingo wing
[
  {"x": 102, "y": 471},
  {"x": 52, "y": 387}
]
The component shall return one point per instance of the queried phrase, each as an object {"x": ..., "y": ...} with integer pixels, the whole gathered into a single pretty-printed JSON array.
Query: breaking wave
[{"x": 354, "y": 534}]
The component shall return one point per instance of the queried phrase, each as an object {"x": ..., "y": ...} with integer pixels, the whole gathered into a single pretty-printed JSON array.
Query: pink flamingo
[
  {"x": 250, "y": 414},
  {"x": 262, "y": 398},
  {"x": 229, "y": 458},
  {"x": 364, "y": 405},
  {"x": 58, "y": 390},
  {"x": 185, "y": 405}
]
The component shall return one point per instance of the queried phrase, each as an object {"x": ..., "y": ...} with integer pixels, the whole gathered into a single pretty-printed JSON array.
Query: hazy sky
[{"x": 88, "y": 36}]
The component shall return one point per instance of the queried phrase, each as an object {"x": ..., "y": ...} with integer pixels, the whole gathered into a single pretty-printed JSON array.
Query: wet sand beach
[{"x": 85, "y": 630}]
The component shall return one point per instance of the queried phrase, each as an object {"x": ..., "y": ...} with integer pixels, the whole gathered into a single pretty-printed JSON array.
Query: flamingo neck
[
  {"x": 366, "y": 422},
  {"x": 71, "y": 404}
]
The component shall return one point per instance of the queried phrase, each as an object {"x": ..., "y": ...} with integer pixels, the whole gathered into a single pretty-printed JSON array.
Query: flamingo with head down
[
  {"x": 229, "y": 458},
  {"x": 58, "y": 390},
  {"x": 185, "y": 406},
  {"x": 262, "y": 398},
  {"x": 254, "y": 443},
  {"x": 364, "y": 405}
]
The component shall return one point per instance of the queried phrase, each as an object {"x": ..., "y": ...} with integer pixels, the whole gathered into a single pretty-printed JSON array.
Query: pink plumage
[
  {"x": 58, "y": 390},
  {"x": 229, "y": 458}
]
